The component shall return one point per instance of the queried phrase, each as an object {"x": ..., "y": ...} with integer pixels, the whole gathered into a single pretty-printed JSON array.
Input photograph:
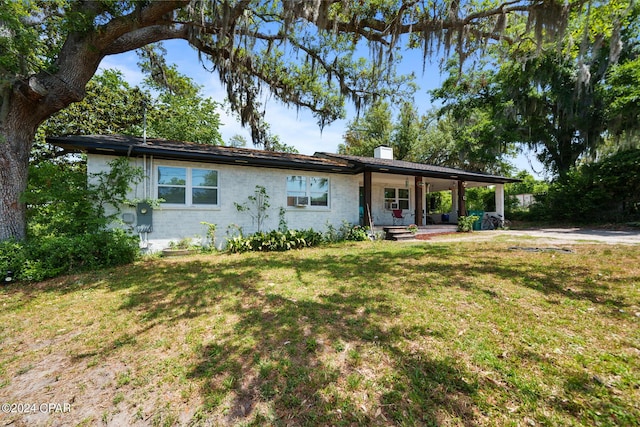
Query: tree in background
[
  {"x": 237, "y": 141},
  {"x": 180, "y": 112},
  {"x": 436, "y": 144},
  {"x": 111, "y": 106},
  {"x": 365, "y": 133},
  {"x": 442, "y": 141},
  {"x": 406, "y": 131},
  {"x": 558, "y": 100}
]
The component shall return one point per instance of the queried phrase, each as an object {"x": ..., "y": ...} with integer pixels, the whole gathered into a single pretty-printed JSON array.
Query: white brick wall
[{"x": 235, "y": 184}]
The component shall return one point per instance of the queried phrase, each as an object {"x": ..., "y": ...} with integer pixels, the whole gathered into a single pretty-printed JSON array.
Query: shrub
[
  {"x": 347, "y": 231},
  {"x": 45, "y": 257},
  {"x": 274, "y": 241},
  {"x": 284, "y": 240},
  {"x": 12, "y": 257},
  {"x": 465, "y": 223},
  {"x": 357, "y": 233},
  {"x": 608, "y": 190}
]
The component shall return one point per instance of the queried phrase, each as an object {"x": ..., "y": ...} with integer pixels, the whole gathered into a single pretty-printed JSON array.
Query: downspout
[
  {"x": 144, "y": 230},
  {"x": 145, "y": 177}
]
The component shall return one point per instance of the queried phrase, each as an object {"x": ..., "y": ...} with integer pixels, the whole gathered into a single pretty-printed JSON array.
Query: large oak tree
[{"x": 303, "y": 52}]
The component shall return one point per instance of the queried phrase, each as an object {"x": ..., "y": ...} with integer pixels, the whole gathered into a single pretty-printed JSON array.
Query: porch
[{"x": 396, "y": 192}]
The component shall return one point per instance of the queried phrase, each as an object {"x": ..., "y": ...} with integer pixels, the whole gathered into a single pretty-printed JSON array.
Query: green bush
[
  {"x": 274, "y": 241},
  {"x": 357, "y": 234},
  {"x": 279, "y": 240},
  {"x": 346, "y": 231},
  {"x": 606, "y": 191},
  {"x": 13, "y": 257},
  {"x": 67, "y": 222},
  {"x": 465, "y": 223},
  {"x": 45, "y": 257}
]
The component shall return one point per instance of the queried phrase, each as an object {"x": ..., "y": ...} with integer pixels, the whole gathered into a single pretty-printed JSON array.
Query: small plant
[
  {"x": 413, "y": 228},
  {"x": 184, "y": 243},
  {"x": 358, "y": 234},
  {"x": 211, "y": 234},
  {"x": 331, "y": 235},
  {"x": 260, "y": 202},
  {"x": 282, "y": 222},
  {"x": 465, "y": 223},
  {"x": 234, "y": 230}
]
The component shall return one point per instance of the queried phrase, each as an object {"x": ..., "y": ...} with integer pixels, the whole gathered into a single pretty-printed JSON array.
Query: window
[
  {"x": 187, "y": 186},
  {"x": 307, "y": 191},
  {"x": 396, "y": 198}
]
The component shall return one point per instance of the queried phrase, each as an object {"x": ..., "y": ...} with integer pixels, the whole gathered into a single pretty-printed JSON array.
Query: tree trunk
[
  {"x": 29, "y": 101},
  {"x": 13, "y": 182},
  {"x": 17, "y": 133}
]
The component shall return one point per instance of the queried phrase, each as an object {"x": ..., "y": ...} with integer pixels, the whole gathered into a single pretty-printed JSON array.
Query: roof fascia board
[
  {"x": 106, "y": 148},
  {"x": 455, "y": 174},
  {"x": 458, "y": 175}
]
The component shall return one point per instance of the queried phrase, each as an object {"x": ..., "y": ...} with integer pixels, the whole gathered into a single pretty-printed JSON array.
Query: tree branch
[
  {"x": 144, "y": 36},
  {"x": 143, "y": 16}
]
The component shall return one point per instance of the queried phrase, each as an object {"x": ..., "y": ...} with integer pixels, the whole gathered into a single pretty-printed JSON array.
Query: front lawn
[{"x": 370, "y": 333}]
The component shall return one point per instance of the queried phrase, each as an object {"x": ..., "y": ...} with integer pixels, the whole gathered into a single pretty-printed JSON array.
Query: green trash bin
[{"x": 477, "y": 225}]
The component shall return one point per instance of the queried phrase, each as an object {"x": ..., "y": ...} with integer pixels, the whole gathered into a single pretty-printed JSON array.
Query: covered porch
[
  {"x": 389, "y": 199},
  {"x": 396, "y": 192}
]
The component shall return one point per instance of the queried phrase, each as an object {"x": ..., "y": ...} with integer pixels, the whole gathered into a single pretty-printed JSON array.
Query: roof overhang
[
  {"x": 120, "y": 145},
  {"x": 129, "y": 146},
  {"x": 400, "y": 167}
]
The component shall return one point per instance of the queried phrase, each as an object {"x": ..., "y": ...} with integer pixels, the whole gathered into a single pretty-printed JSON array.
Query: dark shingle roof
[
  {"x": 410, "y": 168},
  {"x": 121, "y": 145},
  {"x": 160, "y": 148}
]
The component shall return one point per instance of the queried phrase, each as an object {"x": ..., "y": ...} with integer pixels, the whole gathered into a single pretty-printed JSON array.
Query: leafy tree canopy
[
  {"x": 562, "y": 100},
  {"x": 465, "y": 143},
  {"x": 112, "y": 106}
]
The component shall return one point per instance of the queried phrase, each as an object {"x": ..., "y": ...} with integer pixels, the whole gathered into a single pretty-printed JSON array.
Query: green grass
[{"x": 371, "y": 333}]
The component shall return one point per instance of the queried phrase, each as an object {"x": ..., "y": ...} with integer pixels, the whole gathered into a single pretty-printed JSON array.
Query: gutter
[{"x": 169, "y": 154}]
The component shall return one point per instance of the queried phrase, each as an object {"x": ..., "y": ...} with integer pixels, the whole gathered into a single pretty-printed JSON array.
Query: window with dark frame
[
  {"x": 307, "y": 191},
  {"x": 187, "y": 186},
  {"x": 396, "y": 198}
]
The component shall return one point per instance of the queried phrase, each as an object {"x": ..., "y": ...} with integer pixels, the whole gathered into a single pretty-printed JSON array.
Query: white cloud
[{"x": 126, "y": 63}]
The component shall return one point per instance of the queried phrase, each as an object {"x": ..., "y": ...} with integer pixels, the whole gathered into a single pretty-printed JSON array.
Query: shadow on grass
[
  {"x": 280, "y": 353},
  {"x": 296, "y": 360}
]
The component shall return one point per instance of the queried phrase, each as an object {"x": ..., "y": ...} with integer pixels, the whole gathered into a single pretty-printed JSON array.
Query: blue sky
[{"x": 294, "y": 127}]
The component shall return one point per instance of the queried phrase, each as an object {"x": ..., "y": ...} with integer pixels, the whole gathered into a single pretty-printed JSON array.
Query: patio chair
[{"x": 397, "y": 216}]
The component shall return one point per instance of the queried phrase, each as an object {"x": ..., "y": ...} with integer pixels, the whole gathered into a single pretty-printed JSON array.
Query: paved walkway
[{"x": 571, "y": 235}]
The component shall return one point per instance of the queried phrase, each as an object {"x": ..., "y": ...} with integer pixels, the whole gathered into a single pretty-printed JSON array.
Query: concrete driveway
[{"x": 570, "y": 235}]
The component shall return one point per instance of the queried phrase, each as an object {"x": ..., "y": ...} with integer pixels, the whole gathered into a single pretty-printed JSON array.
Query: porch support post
[
  {"x": 454, "y": 200},
  {"x": 462, "y": 208},
  {"x": 500, "y": 199},
  {"x": 367, "y": 198},
  {"x": 419, "y": 200}
]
